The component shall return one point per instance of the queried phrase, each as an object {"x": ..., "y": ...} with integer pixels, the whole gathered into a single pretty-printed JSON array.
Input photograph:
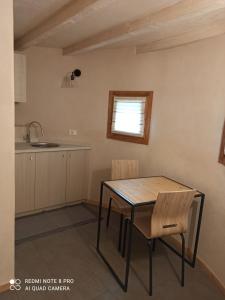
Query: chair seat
[
  {"x": 143, "y": 224},
  {"x": 142, "y": 219},
  {"x": 118, "y": 204},
  {"x": 121, "y": 206}
]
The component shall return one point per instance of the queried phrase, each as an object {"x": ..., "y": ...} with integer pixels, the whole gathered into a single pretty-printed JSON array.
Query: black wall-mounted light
[{"x": 75, "y": 73}]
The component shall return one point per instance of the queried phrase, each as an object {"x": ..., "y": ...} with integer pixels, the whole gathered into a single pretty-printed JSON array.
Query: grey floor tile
[
  {"x": 31, "y": 226},
  {"x": 72, "y": 254}
]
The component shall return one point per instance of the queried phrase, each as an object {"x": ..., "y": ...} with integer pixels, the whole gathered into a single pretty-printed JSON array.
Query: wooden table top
[{"x": 144, "y": 190}]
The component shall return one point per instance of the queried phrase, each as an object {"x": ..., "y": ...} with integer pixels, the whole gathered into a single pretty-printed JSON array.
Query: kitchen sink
[{"x": 44, "y": 145}]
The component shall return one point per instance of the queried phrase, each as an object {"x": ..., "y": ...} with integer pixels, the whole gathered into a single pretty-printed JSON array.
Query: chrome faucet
[{"x": 28, "y": 137}]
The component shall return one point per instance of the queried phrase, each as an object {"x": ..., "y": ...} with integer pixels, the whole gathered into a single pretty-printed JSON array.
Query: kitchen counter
[{"x": 27, "y": 148}]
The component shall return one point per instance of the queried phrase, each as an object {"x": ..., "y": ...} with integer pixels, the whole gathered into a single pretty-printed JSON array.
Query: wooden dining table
[{"x": 140, "y": 192}]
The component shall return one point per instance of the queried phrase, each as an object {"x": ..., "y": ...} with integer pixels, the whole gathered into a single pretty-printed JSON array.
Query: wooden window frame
[
  {"x": 147, "y": 117},
  {"x": 222, "y": 147}
]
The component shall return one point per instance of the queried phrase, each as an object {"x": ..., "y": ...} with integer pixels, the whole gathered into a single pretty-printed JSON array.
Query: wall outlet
[{"x": 72, "y": 132}]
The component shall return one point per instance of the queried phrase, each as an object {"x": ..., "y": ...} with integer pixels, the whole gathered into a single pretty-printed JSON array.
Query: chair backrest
[
  {"x": 124, "y": 169},
  {"x": 170, "y": 213}
]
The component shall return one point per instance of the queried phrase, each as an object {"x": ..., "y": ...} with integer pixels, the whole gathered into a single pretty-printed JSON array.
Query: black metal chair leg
[
  {"x": 120, "y": 232},
  {"x": 182, "y": 261},
  {"x": 124, "y": 238},
  {"x": 150, "y": 244},
  {"x": 108, "y": 214},
  {"x": 153, "y": 245}
]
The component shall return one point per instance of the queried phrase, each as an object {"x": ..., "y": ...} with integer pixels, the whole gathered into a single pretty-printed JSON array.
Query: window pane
[{"x": 128, "y": 116}]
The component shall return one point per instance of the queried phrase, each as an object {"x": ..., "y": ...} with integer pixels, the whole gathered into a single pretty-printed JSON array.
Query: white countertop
[{"x": 27, "y": 148}]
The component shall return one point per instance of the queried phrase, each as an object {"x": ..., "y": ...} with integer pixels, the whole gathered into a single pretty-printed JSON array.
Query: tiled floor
[
  {"x": 51, "y": 221},
  {"x": 71, "y": 254}
]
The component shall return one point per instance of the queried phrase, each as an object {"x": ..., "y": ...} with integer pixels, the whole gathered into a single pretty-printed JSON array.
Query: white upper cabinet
[{"x": 20, "y": 86}]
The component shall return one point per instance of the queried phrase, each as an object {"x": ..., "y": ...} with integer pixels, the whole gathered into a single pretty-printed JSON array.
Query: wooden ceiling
[{"x": 79, "y": 26}]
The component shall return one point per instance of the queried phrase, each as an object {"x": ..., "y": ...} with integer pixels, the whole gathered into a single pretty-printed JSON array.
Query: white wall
[
  {"x": 187, "y": 118},
  {"x": 7, "y": 143}
]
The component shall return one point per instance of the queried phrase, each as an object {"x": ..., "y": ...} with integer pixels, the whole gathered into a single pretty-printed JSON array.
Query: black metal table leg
[
  {"x": 182, "y": 261},
  {"x": 109, "y": 211},
  {"x": 99, "y": 216},
  {"x": 124, "y": 238},
  {"x": 122, "y": 284},
  {"x": 150, "y": 245},
  {"x": 131, "y": 221},
  {"x": 120, "y": 232},
  {"x": 198, "y": 229}
]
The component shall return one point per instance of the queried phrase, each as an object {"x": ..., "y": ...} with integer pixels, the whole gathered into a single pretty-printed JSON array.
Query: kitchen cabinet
[
  {"x": 25, "y": 182},
  {"x": 76, "y": 188},
  {"x": 20, "y": 85},
  {"x": 50, "y": 179},
  {"x": 50, "y": 187}
]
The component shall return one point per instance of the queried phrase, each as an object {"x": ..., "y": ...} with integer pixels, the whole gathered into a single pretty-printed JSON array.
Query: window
[
  {"x": 129, "y": 115},
  {"x": 222, "y": 148}
]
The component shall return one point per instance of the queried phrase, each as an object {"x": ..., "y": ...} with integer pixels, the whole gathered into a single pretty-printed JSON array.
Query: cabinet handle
[
  {"x": 63, "y": 155},
  {"x": 31, "y": 157}
]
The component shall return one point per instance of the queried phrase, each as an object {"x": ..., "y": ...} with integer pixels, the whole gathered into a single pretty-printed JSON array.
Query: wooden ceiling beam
[
  {"x": 181, "y": 11},
  {"x": 74, "y": 11},
  {"x": 181, "y": 39}
]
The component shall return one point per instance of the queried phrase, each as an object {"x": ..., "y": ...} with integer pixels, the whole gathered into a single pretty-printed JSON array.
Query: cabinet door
[
  {"x": 50, "y": 188},
  {"x": 77, "y": 181},
  {"x": 25, "y": 182},
  {"x": 20, "y": 77}
]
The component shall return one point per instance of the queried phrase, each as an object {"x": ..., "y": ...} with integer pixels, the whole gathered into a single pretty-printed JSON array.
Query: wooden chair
[
  {"x": 168, "y": 216},
  {"x": 121, "y": 169}
]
